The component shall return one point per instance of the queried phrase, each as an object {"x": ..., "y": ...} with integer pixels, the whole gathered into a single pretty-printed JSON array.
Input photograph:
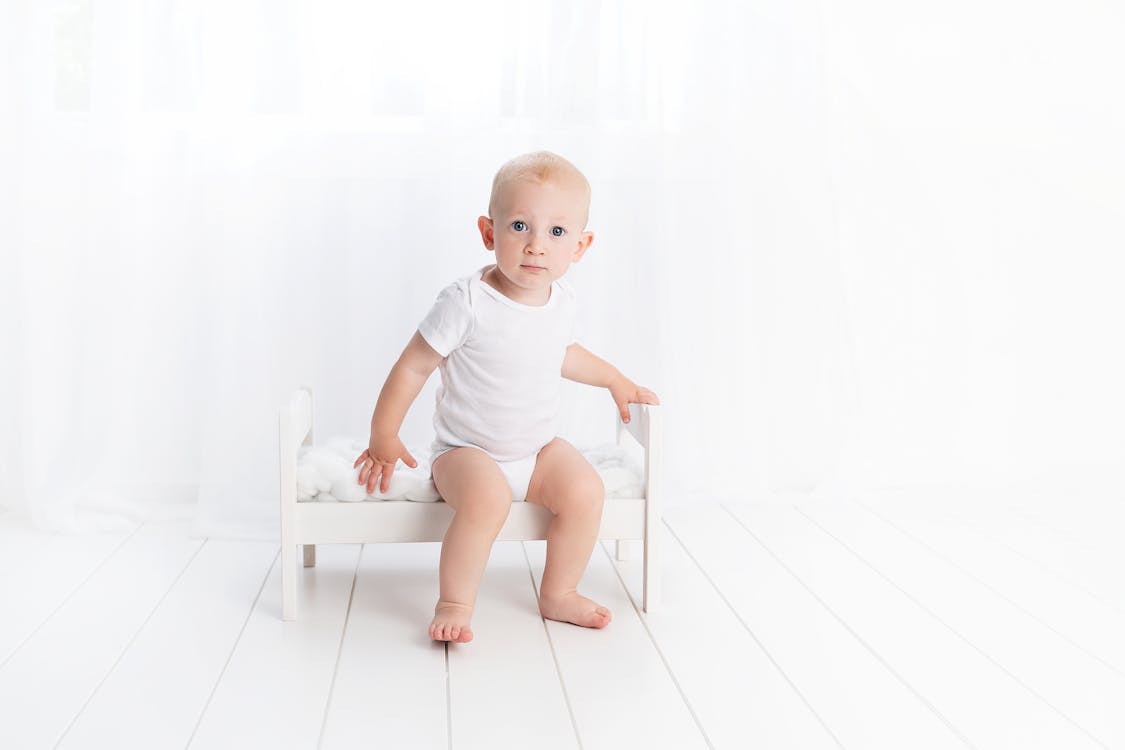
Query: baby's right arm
[{"x": 414, "y": 367}]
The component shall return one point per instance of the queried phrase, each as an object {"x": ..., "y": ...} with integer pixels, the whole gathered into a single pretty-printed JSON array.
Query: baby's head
[
  {"x": 540, "y": 167},
  {"x": 536, "y": 221}
]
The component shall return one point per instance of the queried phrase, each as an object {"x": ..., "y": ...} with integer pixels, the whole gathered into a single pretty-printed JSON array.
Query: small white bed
[{"x": 625, "y": 519}]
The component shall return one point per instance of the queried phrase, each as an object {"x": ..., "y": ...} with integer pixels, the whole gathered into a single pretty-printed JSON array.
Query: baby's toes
[
  {"x": 575, "y": 608},
  {"x": 450, "y": 623}
]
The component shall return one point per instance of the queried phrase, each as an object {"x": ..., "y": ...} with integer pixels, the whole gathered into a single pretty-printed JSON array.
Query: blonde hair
[{"x": 540, "y": 167}]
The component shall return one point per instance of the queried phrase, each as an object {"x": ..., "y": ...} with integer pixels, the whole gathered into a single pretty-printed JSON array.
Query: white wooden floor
[{"x": 893, "y": 621}]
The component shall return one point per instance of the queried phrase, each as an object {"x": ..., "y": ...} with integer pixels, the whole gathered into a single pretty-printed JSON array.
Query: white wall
[
  {"x": 850, "y": 245},
  {"x": 979, "y": 168}
]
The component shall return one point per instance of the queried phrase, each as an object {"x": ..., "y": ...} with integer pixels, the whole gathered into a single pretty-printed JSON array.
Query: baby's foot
[
  {"x": 573, "y": 607},
  {"x": 451, "y": 622}
]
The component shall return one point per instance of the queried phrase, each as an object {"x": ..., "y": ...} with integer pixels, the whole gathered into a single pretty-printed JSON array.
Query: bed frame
[{"x": 624, "y": 519}]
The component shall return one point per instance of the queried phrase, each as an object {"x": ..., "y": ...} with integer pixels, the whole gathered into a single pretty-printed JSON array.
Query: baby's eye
[
  {"x": 519, "y": 226},
  {"x": 558, "y": 231}
]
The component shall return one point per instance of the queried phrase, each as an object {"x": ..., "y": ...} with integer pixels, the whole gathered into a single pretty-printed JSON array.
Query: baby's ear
[
  {"x": 484, "y": 224},
  {"x": 583, "y": 245}
]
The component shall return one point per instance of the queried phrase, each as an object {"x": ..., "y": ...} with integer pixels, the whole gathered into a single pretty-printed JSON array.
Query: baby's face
[{"x": 536, "y": 234}]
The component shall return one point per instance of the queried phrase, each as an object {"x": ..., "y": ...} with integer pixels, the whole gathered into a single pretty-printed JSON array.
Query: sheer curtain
[{"x": 207, "y": 204}]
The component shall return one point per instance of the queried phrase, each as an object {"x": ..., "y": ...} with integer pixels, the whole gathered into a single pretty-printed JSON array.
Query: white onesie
[{"x": 502, "y": 373}]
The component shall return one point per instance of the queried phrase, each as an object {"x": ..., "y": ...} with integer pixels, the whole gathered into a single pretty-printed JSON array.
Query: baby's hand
[
  {"x": 625, "y": 392},
  {"x": 379, "y": 459}
]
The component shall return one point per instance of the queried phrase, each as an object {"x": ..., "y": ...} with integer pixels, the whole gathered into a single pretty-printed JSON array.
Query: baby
[{"x": 501, "y": 337}]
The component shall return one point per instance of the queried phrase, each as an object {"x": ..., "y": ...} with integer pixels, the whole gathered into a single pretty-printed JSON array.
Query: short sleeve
[{"x": 448, "y": 323}]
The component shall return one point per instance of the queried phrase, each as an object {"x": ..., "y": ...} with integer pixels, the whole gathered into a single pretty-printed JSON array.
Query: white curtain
[{"x": 850, "y": 246}]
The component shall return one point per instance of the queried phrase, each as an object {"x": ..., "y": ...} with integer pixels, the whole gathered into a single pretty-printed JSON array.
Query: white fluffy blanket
[{"x": 325, "y": 474}]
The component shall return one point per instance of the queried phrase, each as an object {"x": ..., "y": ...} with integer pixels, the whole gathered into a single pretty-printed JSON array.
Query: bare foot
[
  {"x": 575, "y": 608},
  {"x": 451, "y": 622}
]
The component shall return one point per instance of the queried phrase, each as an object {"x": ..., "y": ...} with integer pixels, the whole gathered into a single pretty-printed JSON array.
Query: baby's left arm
[{"x": 582, "y": 366}]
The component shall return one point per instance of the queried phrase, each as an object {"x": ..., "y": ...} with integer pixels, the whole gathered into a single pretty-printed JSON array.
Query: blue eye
[
  {"x": 559, "y": 233},
  {"x": 519, "y": 226}
]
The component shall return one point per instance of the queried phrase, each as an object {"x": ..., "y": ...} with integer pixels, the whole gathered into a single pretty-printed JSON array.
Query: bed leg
[
  {"x": 650, "y": 596},
  {"x": 296, "y": 415},
  {"x": 651, "y": 593},
  {"x": 628, "y": 549},
  {"x": 654, "y": 506},
  {"x": 288, "y": 581}
]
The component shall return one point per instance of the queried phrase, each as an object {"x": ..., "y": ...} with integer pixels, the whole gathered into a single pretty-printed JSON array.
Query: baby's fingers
[
  {"x": 409, "y": 459},
  {"x": 387, "y": 471},
  {"x": 373, "y": 478}
]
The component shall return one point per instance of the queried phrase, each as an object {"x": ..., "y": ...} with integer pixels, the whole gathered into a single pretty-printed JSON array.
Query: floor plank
[
  {"x": 274, "y": 690},
  {"x": 993, "y": 710},
  {"x": 177, "y": 657},
  {"x": 1084, "y": 567},
  {"x": 863, "y": 704},
  {"x": 41, "y": 570},
  {"x": 390, "y": 685},
  {"x": 1090, "y": 518},
  {"x": 1082, "y": 620},
  {"x": 619, "y": 688},
  {"x": 49, "y": 679},
  {"x": 505, "y": 687},
  {"x": 734, "y": 686},
  {"x": 1065, "y": 680}
]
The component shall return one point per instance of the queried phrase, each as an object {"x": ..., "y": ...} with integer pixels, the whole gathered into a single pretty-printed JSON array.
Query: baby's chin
[{"x": 528, "y": 279}]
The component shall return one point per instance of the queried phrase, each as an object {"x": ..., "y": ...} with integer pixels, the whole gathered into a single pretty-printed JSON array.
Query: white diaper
[{"x": 518, "y": 472}]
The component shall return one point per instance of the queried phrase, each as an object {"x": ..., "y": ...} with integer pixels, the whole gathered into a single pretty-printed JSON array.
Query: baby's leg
[
  {"x": 567, "y": 485},
  {"x": 472, "y": 484}
]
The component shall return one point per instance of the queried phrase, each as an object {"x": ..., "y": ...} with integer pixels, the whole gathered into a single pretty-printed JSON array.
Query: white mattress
[{"x": 325, "y": 474}]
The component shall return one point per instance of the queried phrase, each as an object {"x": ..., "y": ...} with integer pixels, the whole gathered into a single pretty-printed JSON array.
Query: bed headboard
[{"x": 297, "y": 420}]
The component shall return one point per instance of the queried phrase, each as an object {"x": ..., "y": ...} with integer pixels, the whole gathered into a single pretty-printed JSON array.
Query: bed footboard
[
  {"x": 295, "y": 430},
  {"x": 646, "y": 426}
]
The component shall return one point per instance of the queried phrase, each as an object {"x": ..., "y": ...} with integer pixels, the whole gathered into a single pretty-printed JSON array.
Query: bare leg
[
  {"x": 468, "y": 480},
  {"x": 570, "y": 541},
  {"x": 569, "y": 487}
]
